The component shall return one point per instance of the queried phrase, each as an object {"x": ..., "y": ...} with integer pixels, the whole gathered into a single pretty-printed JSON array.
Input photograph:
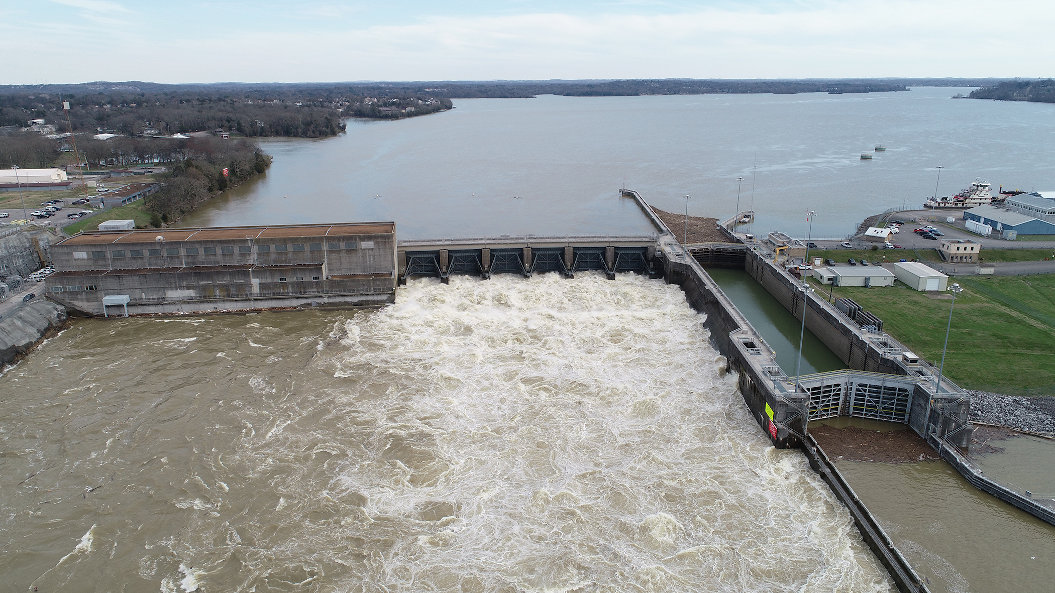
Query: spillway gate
[{"x": 526, "y": 256}]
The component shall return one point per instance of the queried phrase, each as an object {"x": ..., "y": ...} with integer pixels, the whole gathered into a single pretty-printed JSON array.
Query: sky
[{"x": 181, "y": 41}]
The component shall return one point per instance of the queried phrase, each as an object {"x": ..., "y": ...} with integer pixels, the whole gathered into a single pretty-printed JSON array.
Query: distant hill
[{"x": 1037, "y": 91}]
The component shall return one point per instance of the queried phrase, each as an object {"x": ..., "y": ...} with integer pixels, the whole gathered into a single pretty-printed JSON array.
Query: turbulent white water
[{"x": 502, "y": 435}]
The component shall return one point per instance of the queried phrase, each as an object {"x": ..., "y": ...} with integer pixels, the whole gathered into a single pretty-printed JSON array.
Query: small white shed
[
  {"x": 117, "y": 225},
  {"x": 920, "y": 277},
  {"x": 877, "y": 234}
]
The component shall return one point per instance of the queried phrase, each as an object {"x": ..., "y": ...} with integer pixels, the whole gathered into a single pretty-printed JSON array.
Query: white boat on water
[
  {"x": 978, "y": 194},
  {"x": 866, "y": 156}
]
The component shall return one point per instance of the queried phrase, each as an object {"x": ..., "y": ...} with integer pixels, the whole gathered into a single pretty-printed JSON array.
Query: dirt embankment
[
  {"x": 701, "y": 229},
  {"x": 861, "y": 444}
]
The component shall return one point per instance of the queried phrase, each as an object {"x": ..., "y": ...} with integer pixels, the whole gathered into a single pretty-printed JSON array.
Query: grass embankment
[
  {"x": 1002, "y": 330},
  {"x": 928, "y": 255},
  {"x": 135, "y": 211}
]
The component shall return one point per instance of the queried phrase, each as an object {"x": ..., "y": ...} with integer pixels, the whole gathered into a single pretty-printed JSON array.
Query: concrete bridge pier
[{"x": 485, "y": 263}]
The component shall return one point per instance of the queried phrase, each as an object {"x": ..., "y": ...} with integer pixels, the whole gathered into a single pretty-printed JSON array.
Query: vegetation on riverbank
[
  {"x": 1001, "y": 334},
  {"x": 210, "y": 167},
  {"x": 1036, "y": 91},
  {"x": 142, "y": 109}
]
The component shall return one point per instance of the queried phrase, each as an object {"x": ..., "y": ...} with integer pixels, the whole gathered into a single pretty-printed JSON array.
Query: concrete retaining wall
[
  {"x": 780, "y": 413},
  {"x": 822, "y": 319}
]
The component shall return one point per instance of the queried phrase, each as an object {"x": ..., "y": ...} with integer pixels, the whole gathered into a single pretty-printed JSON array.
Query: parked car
[
  {"x": 895, "y": 229},
  {"x": 929, "y": 236},
  {"x": 851, "y": 261},
  {"x": 830, "y": 262},
  {"x": 864, "y": 262},
  {"x": 847, "y": 244},
  {"x": 811, "y": 245},
  {"x": 896, "y": 246},
  {"x": 888, "y": 245},
  {"x": 897, "y": 222},
  {"x": 937, "y": 233},
  {"x": 29, "y": 297}
]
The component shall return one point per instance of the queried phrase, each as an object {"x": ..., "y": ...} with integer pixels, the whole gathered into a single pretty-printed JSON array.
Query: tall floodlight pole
[
  {"x": 25, "y": 213},
  {"x": 805, "y": 294},
  {"x": 685, "y": 235},
  {"x": 739, "y": 182},
  {"x": 936, "y": 183},
  {"x": 955, "y": 289}
]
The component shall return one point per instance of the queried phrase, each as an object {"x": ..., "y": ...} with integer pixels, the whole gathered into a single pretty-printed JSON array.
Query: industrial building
[
  {"x": 1033, "y": 204},
  {"x": 959, "y": 250},
  {"x": 1008, "y": 223},
  {"x": 225, "y": 268},
  {"x": 920, "y": 277},
  {"x": 866, "y": 276},
  {"x": 14, "y": 179}
]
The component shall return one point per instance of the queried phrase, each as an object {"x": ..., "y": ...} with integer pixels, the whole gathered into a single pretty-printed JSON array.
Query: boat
[
  {"x": 866, "y": 156},
  {"x": 880, "y": 148},
  {"x": 978, "y": 194}
]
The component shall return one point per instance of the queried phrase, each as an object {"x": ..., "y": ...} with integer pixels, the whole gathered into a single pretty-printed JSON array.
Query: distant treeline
[
  {"x": 208, "y": 167},
  {"x": 147, "y": 109},
  {"x": 31, "y": 150},
  {"x": 312, "y": 110},
  {"x": 1038, "y": 91}
]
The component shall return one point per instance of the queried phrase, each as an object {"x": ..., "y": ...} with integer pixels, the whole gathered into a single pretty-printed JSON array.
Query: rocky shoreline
[
  {"x": 1034, "y": 415},
  {"x": 30, "y": 324}
]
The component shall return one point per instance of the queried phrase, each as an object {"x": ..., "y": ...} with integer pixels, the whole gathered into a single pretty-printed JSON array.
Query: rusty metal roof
[{"x": 306, "y": 231}]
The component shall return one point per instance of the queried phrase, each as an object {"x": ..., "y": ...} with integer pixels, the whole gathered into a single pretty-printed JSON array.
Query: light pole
[
  {"x": 25, "y": 213},
  {"x": 955, "y": 289},
  {"x": 805, "y": 294},
  {"x": 685, "y": 235},
  {"x": 739, "y": 182},
  {"x": 936, "y": 183}
]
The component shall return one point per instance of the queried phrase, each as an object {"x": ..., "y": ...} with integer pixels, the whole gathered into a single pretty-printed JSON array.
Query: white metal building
[
  {"x": 854, "y": 276},
  {"x": 920, "y": 277},
  {"x": 32, "y": 176},
  {"x": 117, "y": 225},
  {"x": 877, "y": 234}
]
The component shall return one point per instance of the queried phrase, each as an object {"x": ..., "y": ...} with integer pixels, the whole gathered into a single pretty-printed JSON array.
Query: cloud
[
  {"x": 93, "y": 5},
  {"x": 833, "y": 38}
]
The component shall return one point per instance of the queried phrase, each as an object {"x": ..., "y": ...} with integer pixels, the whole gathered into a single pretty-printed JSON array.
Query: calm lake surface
[{"x": 554, "y": 165}]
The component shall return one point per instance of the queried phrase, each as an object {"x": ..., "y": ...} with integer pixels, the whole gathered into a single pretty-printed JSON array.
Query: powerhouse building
[{"x": 224, "y": 268}]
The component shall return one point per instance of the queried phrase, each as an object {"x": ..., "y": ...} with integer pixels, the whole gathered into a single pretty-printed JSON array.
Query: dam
[{"x": 886, "y": 386}]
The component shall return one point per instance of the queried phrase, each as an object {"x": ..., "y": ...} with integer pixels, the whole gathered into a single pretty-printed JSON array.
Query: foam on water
[{"x": 537, "y": 434}]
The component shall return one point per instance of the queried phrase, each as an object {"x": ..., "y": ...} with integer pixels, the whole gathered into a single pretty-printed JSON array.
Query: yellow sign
[{"x": 769, "y": 411}]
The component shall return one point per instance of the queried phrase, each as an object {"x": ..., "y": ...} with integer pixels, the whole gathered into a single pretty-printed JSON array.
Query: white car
[{"x": 895, "y": 230}]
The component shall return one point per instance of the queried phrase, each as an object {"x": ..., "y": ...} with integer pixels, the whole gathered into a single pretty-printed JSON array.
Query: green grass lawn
[
  {"x": 928, "y": 255},
  {"x": 134, "y": 211},
  {"x": 1003, "y": 329}
]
